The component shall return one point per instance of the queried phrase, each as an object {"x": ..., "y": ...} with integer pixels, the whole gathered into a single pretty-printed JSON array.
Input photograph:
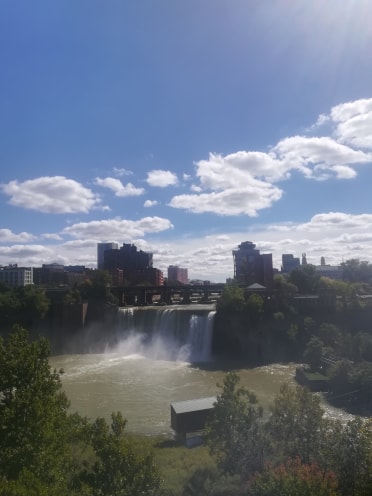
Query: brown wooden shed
[{"x": 191, "y": 415}]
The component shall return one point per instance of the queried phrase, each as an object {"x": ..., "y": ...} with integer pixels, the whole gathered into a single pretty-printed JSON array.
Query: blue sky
[{"x": 185, "y": 127}]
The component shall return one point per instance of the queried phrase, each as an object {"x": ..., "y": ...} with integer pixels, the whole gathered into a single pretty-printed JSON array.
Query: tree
[
  {"x": 34, "y": 424},
  {"x": 23, "y": 305},
  {"x": 235, "y": 434},
  {"x": 355, "y": 270},
  {"x": 45, "y": 450},
  {"x": 313, "y": 353},
  {"x": 297, "y": 425},
  {"x": 353, "y": 458},
  {"x": 305, "y": 278},
  {"x": 119, "y": 469},
  {"x": 232, "y": 299},
  {"x": 294, "y": 478},
  {"x": 285, "y": 291},
  {"x": 255, "y": 306}
]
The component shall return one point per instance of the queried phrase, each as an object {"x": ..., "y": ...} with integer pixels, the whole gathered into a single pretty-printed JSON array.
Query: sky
[{"x": 185, "y": 127}]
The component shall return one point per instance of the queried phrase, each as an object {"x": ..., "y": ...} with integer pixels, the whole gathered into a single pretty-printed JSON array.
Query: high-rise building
[
  {"x": 101, "y": 248},
  {"x": 126, "y": 258},
  {"x": 177, "y": 274},
  {"x": 289, "y": 262},
  {"x": 135, "y": 264},
  {"x": 252, "y": 267}
]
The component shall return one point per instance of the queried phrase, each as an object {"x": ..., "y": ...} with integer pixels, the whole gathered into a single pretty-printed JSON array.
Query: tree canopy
[{"x": 45, "y": 449}]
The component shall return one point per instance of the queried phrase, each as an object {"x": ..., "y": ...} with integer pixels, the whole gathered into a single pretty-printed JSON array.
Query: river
[{"x": 148, "y": 370}]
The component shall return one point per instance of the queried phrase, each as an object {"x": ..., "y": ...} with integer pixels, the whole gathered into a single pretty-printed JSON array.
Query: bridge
[{"x": 166, "y": 294}]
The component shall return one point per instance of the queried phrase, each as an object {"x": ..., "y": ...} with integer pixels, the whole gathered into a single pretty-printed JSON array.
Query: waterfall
[{"x": 177, "y": 333}]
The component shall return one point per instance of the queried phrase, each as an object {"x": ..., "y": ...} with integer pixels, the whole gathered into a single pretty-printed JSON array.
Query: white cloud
[
  {"x": 54, "y": 195},
  {"x": 161, "y": 178},
  {"x": 150, "y": 203},
  {"x": 118, "y": 228},
  {"x": 246, "y": 201},
  {"x": 118, "y": 187},
  {"x": 344, "y": 172},
  {"x": 122, "y": 172},
  {"x": 52, "y": 236},
  {"x": 7, "y": 236},
  {"x": 309, "y": 155},
  {"x": 244, "y": 182},
  {"x": 353, "y": 122},
  {"x": 337, "y": 236}
]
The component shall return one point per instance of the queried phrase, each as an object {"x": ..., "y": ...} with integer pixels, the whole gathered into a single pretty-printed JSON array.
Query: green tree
[
  {"x": 235, "y": 434},
  {"x": 305, "y": 278},
  {"x": 297, "y": 426},
  {"x": 119, "y": 469},
  {"x": 354, "y": 270},
  {"x": 284, "y": 290},
  {"x": 313, "y": 353},
  {"x": 23, "y": 305},
  {"x": 232, "y": 299},
  {"x": 255, "y": 307},
  {"x": 353, "y": 458},
  {"x": 34, "y": 424},
  {"x": 47, "y": 451},
  {"x": 293, "y": 478}
]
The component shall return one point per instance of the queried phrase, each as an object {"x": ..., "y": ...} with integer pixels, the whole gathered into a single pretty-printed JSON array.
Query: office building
[
  {"x": 177, "y": 275},
  {"x": 252, "y": 267},
  {"x": 101, "y": 248},
  {"x": 289, "y": 262},
  {"x": 12, "y": 275}
]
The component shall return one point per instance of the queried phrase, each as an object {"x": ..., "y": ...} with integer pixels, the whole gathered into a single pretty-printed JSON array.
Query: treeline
[
  {"x": 292, "y": 449},
  {"x": 329, "y": 329}
]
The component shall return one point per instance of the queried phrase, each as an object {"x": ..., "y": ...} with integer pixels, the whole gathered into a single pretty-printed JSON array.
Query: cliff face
[
  {"x": 78, "y": 327},
  {"x": 235, "y": 335},
  {"x": 279, "y": 337}
]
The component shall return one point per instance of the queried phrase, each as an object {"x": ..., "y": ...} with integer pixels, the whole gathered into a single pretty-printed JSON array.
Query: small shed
[{"x": 191, "y": 415}]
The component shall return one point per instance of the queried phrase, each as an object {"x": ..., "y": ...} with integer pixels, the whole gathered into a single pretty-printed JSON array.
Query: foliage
[
  {"x": 355, "y": 270},
  {"x": 72, "y": 296},
  {"x": 232, "y": 299},
  {"x": 178, "y": 465},
  {"x": 97, "y": 288},
  {"x": 297, "y": 425},
  {"x": 313, "y": 353},
  {"x": 353, "y": 458},
  {"x": 235, "y": 434},
  {"x": 47, "y": 450},
  {"x": 284, "y": 290},
  {"x": 255, "y": 306},
  {"x": 305, "y": 278},
  {"x": 33, "y": 409},
  {"x": 362, "y": 346},
  {"x": 119, "y": 469},
  {"x": 293, "y": 478},
  {"x": 22, "y": 305}
]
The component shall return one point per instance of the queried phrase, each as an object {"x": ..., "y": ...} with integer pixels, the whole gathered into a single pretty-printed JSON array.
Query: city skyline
[{"x": 185, "y": 128}]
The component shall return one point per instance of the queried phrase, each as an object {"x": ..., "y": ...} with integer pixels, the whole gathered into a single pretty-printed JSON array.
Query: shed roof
[{"x": 194, "y": 405}]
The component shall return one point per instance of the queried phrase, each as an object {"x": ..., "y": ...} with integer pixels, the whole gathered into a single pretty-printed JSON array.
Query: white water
[{"x": 176, "y": 334}]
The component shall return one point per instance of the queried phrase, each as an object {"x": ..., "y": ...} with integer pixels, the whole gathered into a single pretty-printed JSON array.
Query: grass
[{"x": 176, "y": 462}]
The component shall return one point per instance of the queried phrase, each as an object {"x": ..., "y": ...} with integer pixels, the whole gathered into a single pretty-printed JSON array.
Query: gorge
[{"x": 155, "y": 356}]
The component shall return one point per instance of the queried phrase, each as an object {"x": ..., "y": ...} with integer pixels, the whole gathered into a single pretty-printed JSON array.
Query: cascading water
[{"x": 178, "y": 334}]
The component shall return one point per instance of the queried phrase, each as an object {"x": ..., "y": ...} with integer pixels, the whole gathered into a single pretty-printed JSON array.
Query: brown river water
[{"x": 146, "y": 371}]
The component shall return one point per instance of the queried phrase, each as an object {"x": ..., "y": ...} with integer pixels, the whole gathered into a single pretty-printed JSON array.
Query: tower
[
  {"x": 101, "y": 248},
  {"x": 252, "y": 267}
]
